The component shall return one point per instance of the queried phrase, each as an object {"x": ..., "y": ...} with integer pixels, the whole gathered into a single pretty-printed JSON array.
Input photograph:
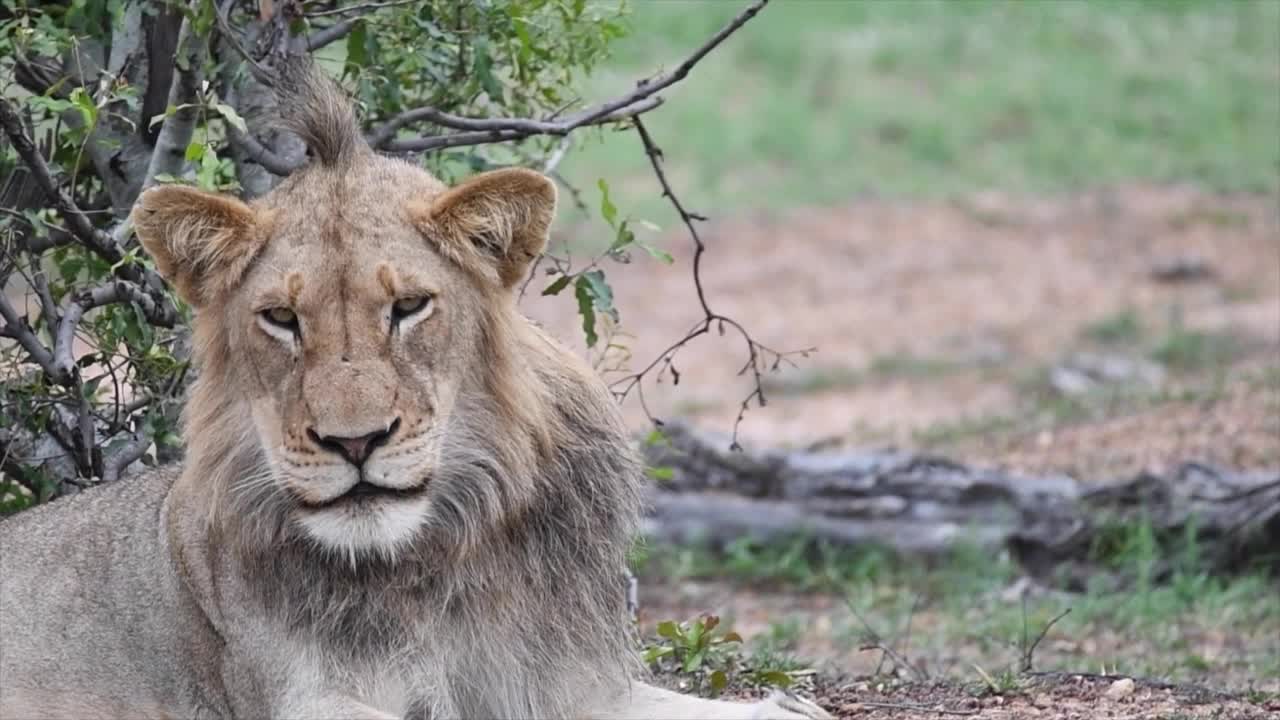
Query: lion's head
[{"x": 366, "y": 378}]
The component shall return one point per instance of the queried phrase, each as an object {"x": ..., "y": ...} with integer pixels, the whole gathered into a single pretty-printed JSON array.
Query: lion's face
[
  {"x": 352, "y": 324},
  {"x": 354, "y": 340}
]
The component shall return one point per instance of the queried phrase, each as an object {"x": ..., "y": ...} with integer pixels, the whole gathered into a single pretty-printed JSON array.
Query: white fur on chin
[{"x": 382, "y": 527}]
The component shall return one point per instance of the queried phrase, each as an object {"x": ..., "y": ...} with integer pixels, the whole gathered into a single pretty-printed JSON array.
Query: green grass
[
  {"x": 1121, "y": 328},
  {"x": 1158, "y": 611},
  {"x": 818, "y": 101}
]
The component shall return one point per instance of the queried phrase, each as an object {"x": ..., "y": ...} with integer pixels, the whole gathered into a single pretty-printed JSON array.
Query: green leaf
[
  {"x": 84, "y": 103},
  {"x": 483, "y": 67},
  {"x": 718, "y": 681},
  {"x": 207, "y": 175},
  {"x": 668, "y": 629},
  {"x": 655, "y": 437},
  {"x": 232, "y": 117},
  {"x": 49, "y": 104},
  {"x": 556, "y": 286},
  {"x": 624, "y": 238},
  {"x": 167, "y": 112},
  {"x": 70, "y": 269},
  {"x": 657, "y": 254},
  {"x": 694, "y": 661},
  {"x": 694, "y": 636},
  {"x": 600, "y": 291},
  {"x": 586, "y": 308},
  {"x": 656, "y": 653},
  {"x": 607, "y": 209},
  {"x": 661, "y": 473},
  {"x": 195, "y": 151},
  {"x": 358, "y": 47},
  {"x": 775, "y": 678}
]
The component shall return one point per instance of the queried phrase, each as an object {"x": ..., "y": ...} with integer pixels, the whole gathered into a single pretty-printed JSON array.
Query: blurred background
[
  {"x": 1015, "y": 267},
  {"x": 950, "y": 200},
  {"x": 1042, "y": 237}
]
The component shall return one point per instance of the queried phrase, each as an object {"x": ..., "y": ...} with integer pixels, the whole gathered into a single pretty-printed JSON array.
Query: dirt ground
[
  {"x": 930, "y": 315},
  {"x": 1064, "y": 697},
  {"x": 1056, "y": 697},
  {"x": 937, "y": 325}
]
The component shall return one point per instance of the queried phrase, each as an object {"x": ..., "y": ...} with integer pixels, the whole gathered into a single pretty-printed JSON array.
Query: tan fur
[{"x": 484, "y": 579}]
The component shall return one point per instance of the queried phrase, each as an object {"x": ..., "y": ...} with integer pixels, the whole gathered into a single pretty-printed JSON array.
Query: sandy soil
[
  {"x": 995, "y": 286},
  {"x": 1049, "y": 698}
]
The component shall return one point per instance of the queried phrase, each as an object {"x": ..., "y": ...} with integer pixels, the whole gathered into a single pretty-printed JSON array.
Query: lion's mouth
[{"x": 365, "y": 492}]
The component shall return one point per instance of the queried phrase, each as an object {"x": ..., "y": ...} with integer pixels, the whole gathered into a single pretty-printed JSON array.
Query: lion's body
[
  {"x": 400, "y": 498},
  {"x": 80, "y": 582},
  {"x": 126, "y": 594}
]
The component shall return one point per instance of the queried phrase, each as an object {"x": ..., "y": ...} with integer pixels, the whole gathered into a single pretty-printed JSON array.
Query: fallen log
[{"x": 918, "y": 504}]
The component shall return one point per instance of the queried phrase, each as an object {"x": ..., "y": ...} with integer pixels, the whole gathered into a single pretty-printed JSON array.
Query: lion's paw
[{"x": 782, "y": 705}]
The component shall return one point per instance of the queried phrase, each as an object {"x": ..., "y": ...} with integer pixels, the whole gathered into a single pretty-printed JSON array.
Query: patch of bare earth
[
  {"x": 995, "y": 287},
  {"x": 1064, "y": 697}
]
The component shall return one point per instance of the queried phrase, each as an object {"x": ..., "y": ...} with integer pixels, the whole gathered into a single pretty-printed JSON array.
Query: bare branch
[
  {"x": 261, "y": 154},
  {"x": 478, "y": 131},
  {"x": 331, "y": 34},
  {"x": 108, "y": 246},
  {"x": 645, "y": 88},
  {"x": 1029, "y": 651},
  {"x": 124, "y": 455},
  {"x": 481, "y": 131},
  {"x": 79, "y": 223},
  {"x": 169, "y": 157},
  {"x": 64, "y": 364},
  {"x": 361, "y": 7},
  {"x": 17, "y": 328},
  {"x": 228, "y": 34}
]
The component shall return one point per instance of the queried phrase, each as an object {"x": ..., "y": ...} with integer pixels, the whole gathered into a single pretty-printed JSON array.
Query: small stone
[
  {"x": 1182, "y": 269},
  {"x": 849, "y": 709},
  {"x": 1120, "y": 689},
  {"x": 1042, "y": 700}
]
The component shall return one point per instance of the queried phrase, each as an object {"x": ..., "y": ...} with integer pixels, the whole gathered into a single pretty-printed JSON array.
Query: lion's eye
[
  {"x": 281, "y": 317},
  {"x": 410, "y": 306}
]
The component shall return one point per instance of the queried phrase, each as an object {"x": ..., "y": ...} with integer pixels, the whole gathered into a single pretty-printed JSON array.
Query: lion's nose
[{"x": 355, "y": 450}]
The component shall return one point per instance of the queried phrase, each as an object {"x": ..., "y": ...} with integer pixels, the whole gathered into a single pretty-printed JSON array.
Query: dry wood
[{"x": 916, "y": 503}]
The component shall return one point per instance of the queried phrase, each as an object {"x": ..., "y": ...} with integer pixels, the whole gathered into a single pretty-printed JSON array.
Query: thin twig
[
  {"x": 874, "y": 641},
  {"x": 78, "y": 222},
  {"x": 331, "y": 34},
  {"x": 1028, "y": 653},
  {"x": 105, "y": 245},
  {"x": 490, "y": 130},
  {"x": 73, "y": 310},
  {"x": 17, "y": 328},
  {"x": 481, "y": 131},
  {"x": 228, "y": 34},
  {"x": 760, "y": 358},
  {"x": 914, "y": 707}
]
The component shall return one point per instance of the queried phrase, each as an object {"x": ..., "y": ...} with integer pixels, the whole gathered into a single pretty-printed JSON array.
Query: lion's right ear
[{"x": 202, "y": 243}]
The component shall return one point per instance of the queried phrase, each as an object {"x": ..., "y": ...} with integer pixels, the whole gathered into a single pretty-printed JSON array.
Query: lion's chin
[{"x": 382, "y": 525}]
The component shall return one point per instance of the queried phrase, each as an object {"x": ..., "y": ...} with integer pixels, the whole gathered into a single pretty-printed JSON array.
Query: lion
[{"x": 400, "y": 498}]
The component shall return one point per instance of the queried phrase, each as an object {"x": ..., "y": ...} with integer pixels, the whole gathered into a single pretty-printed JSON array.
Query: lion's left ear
[
  {"x": 503, "y": 215},
  {"x": 202, "y": 243}
]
